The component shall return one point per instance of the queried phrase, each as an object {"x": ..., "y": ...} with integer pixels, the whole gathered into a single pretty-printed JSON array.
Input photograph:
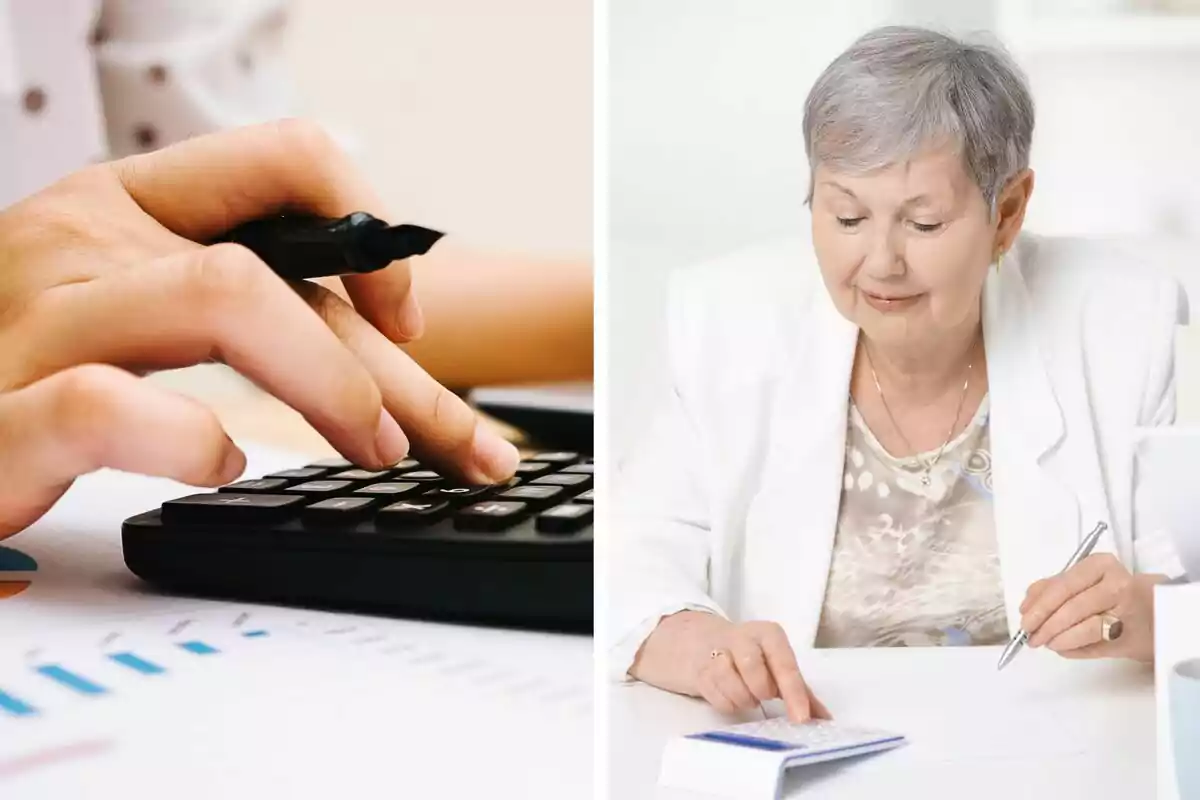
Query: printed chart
[{"x": 16, "y": 572}]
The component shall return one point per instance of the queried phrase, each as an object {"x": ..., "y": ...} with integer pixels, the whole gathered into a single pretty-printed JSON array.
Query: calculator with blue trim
[
  {"x": 405, "y": 541},
  {"x": 751, "y": 759}
]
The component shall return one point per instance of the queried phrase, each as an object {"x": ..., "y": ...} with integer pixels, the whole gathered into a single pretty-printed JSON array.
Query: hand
[
  {"x": 1065, "y": 613},
  {"x": 104, "y": 268},
  {"x": 734, "y": 667}
]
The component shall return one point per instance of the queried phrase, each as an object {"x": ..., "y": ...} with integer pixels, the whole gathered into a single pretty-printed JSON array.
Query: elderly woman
[{"x": 902, "y": 443}]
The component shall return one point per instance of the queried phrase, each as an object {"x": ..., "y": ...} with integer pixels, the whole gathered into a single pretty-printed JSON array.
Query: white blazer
[{"x": 730, "y": 502}]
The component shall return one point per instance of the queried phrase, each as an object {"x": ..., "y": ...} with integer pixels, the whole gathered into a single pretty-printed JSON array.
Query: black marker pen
[{"x": 297, "y": 247}]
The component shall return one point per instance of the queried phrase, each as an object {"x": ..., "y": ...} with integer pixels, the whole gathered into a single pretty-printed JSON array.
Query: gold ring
[{"x": 1111, "y": 628}]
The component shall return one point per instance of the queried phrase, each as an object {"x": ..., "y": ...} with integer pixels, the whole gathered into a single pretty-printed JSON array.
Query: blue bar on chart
[
  {"x": 70, "y": 680},
  {"x": 16, "y": 706},
  {"x": 199, "y": 648},
  {"x": 136, "y": 663},
  {"x": 254, "y": 634}
]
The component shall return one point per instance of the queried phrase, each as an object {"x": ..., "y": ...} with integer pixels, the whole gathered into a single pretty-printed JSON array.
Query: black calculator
[{"x": 404, "y": 542}]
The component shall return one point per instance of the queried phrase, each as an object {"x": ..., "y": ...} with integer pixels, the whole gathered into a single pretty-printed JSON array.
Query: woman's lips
[{"x": 882, "y": 302}]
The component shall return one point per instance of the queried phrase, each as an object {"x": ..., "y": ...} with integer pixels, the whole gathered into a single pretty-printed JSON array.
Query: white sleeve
[
  {"x": 660, "y": 545},
  {"x": 1154, "y": 547}
]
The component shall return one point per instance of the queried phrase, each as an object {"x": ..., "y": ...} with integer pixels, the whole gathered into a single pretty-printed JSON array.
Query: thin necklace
[{"x": 927, "y": 466}]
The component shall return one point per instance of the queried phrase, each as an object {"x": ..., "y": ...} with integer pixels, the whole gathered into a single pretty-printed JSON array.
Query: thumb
[{"x": 88, "y": 417}]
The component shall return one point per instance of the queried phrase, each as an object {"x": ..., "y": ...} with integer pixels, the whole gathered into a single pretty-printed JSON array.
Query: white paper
[{"x": 310, "y": 704}]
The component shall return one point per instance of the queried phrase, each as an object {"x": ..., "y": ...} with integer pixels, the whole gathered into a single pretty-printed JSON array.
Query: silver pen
[{"x": 1083, "y": 551}]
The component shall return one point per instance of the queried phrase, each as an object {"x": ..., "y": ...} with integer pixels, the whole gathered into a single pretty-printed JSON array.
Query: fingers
[
  {"x": 251, "y": 172},
  {"x": 1087, "y": 604},
  {"x": 443, "y": 429},
  {"x": 747, "y": 657},
  {"x": 222, "y": 302},
  {"x": 1033, "y": 593},
  {"x": 1082, "y": 634},
  {"x": 819, "y": 711},
  {"x": 784, "y": 669},
  {"x": 93, "y": 416},
  {"x": 728, "y": 681},
  {"x": 1061, "y": 588},
  {"x": 713, "y": 695}
]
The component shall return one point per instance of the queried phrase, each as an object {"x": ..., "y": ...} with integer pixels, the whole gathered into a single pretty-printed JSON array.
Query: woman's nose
[{"x": 883, "y": 259}]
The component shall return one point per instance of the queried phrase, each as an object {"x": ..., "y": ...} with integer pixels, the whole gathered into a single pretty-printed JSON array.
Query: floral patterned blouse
[{"x": 913, "y": 564}]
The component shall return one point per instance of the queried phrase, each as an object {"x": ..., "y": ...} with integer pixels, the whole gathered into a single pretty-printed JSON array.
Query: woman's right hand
[
  {"x": 735, "y": 667},
  {"x": 102, "y": 278}
]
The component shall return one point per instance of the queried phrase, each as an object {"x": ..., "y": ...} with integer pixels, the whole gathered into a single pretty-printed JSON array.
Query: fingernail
[
  {"x": 391, "y": 444},
  {"x": 233, "y": 465},
  {"x": 411, "y": 322},
  {"x": 493, "y": 456}
]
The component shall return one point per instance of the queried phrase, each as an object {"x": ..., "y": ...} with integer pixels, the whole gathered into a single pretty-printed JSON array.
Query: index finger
[
  {"x": 205, "y": 186},
  {"x": 1059, "y": 590},
  {"x": 782, "y": 663}
]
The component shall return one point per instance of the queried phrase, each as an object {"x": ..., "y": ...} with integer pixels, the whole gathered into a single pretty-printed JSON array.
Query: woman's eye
[
  {"x": 927, "y": 227},
  {"x": 849, "y": 222}
]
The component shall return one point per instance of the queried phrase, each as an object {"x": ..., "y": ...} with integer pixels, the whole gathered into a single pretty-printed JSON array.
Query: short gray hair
[{"x": 899, "y": 90}]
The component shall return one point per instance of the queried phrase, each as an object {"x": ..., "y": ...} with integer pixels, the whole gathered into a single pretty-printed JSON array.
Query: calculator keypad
[{"x": 551, "y": 493}]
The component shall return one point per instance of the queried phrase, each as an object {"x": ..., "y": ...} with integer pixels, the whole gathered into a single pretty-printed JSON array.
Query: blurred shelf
[{"x": 1103, "y": 33}]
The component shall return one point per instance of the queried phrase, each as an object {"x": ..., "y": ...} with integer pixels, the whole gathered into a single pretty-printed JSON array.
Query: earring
[{"x": 999, "y": 259}]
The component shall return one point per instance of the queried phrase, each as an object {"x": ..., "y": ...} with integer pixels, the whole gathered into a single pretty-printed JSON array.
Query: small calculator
[
  {"x": 405, "y": 541},
  {"x": 816, "y": 740},
  {"x": 751, "y": 759}
]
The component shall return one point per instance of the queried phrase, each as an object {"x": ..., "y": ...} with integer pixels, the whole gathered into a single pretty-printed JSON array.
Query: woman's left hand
[{"x": 1067, "y": 613}]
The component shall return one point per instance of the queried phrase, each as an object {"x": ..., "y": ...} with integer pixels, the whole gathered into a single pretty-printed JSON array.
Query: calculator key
[
  {"x": 321, "y": 488},
  {"x": 492, "y": 515},
  {"x": 411, "y": 512},
  {"x": 538, "y": 496},
  {"x": 405, "y": 465},
  {"x": 332, "y": 463},
  {"x": 260, "y": 486},
  {"x": 557, "y": 457},
  {"x": 302, "y": 474},
  {"x": 420, "y": 475},
  {"x": 580, "y": 469},
  {"x": 458, "y": 494},
  {"x": 531, "y": 469},
  {"x": 230, "y": 508},
  {"x": 564, "y": 479},
  {"x": 586, "y": 497},
  {"x": 391, "y": 489},
  {"x": 568, "y": 518},
  {"x": 360, "y": 475},
  {"x": 338, "y": 511}
]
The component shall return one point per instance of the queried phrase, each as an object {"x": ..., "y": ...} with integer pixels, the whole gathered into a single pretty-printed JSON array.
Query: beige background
[{"x": 469, "y": 115}]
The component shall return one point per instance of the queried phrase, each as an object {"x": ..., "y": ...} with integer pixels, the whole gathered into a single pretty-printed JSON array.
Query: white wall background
[{"x": 706, "y": 148}]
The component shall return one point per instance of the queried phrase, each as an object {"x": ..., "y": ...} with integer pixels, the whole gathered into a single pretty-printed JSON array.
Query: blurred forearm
[{"x": 493, "y": 319}]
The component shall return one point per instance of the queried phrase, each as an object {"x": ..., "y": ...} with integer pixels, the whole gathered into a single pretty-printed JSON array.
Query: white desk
[
  {"x": 1045, "y": 727},
  {"x": 326, "y": 705}
]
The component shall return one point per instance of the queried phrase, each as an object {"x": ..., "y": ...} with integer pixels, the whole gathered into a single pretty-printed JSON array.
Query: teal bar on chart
[
  {"x": 16, "y": 706},
  {"x": 199, "y": 648},
  {"x": 254, "y": 634},
  {"x": 136, "y": 663},
  {"x": 70, "y": 680}
]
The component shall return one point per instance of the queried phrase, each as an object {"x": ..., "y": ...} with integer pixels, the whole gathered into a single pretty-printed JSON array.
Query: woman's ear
[{"x": 1010, "y": 208}]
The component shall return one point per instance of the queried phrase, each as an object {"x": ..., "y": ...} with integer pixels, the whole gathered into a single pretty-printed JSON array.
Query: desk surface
[{"x": 1045, "y": 727}]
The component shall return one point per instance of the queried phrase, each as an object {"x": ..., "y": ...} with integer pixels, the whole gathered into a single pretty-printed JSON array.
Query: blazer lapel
[
  {"x": 1036, "y": 508},
  {"x": 791, "y": 521}
]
